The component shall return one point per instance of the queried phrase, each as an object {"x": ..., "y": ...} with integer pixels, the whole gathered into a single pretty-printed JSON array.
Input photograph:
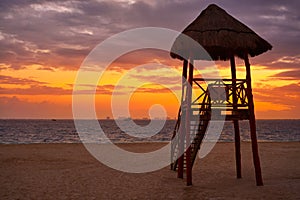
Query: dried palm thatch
[{"x": 221, "y": 35}]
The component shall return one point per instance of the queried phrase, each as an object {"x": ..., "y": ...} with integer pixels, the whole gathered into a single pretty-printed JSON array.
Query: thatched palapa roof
[{"x": 221, "y": 35}]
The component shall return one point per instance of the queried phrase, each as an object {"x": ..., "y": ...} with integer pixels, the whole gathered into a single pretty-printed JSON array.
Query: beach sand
[{"x": 68, "y": 171}]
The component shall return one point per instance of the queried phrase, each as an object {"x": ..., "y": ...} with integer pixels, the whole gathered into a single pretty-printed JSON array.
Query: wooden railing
[{"x": 220, "y": 92}]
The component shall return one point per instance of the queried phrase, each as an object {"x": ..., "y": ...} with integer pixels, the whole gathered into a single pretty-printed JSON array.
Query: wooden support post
[
  {"x": 187, "y": 125},
  {"x": 259, "y": 181},
  {"x": 182, "y": 125},
  {"x": 236, "y": 122}
]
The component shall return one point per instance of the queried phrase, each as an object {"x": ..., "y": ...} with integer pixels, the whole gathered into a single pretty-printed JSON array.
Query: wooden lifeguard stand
[{"x": 224, "y": 38}]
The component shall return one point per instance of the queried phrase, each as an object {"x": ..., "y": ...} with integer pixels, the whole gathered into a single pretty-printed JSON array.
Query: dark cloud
[
  {"x": 157, "y": 90},
  {"x": 36, "y": 90},
  {"x": 122, "y": 90},
  {"x": 61, "y": 33},
  {"x": 288, "y": 75},
  {"x": 33, "y": 87},
  {"x": 45, "y": 68},
  {"x": 287, "y": 62},
  {"x": 102, "y": 90},
  {"x": 285, "y": 95},
  {"x": 47, "y": 90},
  {"x": 142, "y": 57},
  {"x": 18, "y": 81},
  {"x": 159, "y": 78}
]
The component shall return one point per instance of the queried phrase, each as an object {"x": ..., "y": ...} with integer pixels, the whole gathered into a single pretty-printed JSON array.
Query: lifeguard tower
[{"x": 224, "y": 38}]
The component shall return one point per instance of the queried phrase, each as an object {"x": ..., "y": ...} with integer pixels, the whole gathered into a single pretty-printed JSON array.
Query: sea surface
[{"x": 64, "y": 131}]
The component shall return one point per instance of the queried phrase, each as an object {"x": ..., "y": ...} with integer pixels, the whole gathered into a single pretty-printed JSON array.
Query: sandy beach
[{"x": 68, "y": 171}]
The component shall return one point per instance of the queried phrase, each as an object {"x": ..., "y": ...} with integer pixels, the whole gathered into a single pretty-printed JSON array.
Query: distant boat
[
  {"x": 53, "y": 120},
  {"x": 127, "y": 119},
  {"x": 124, "y": 118}
]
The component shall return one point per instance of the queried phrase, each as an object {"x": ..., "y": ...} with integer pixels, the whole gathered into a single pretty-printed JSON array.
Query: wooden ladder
[{"x": 199, "y": 120}]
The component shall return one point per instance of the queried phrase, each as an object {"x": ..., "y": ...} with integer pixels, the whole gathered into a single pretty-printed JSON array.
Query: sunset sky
[{"x": 43, "y": 44}]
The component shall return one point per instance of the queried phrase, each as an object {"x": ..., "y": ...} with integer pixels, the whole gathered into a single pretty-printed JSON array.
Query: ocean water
[{"x": 63, "y": 131}]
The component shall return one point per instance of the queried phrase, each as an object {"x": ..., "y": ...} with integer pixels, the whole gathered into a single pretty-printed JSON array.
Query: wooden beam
[
  {"x": 236, "y": 122},
  {"x": 252, "y": 122},
  {"x": 182, "y": 125},
  {"x": 187, "y": 124}
]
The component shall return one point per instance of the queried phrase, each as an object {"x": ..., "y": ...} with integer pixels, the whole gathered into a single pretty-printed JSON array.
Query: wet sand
[{"x": 68, "y": 171}]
